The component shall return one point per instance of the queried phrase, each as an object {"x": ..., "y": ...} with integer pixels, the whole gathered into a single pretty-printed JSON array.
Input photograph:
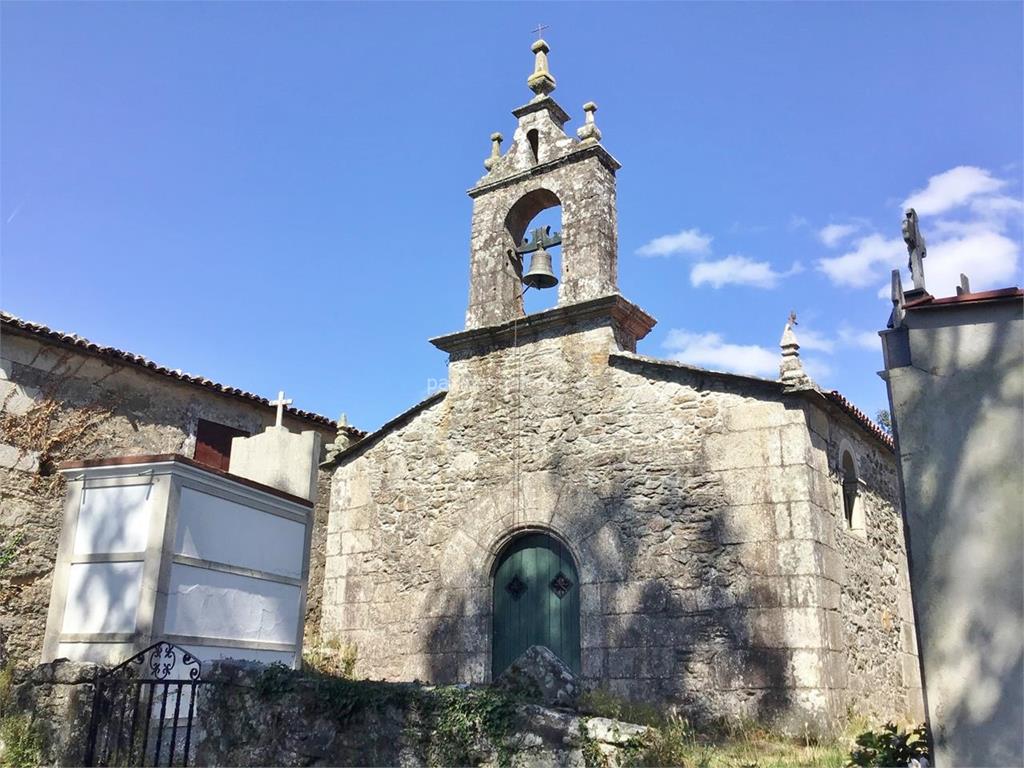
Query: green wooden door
[{"x": 536, "y": 602}]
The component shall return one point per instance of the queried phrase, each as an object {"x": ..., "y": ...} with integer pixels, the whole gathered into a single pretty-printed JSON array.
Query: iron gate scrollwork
[{"x": 143, "y": 710}]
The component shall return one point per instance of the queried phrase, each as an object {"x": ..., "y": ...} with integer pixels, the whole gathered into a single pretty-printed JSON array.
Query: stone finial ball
[
  {"x": 540, "y": 45},
  {"x": 497, "y": 137},
  {"x": 590, "y": 107}
]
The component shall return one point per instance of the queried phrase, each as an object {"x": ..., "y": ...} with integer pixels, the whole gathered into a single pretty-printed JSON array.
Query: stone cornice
[
  {"x": 560, "y": 115},
  {"x": 172, "y": 463},
  {"x": 615, "y": 309},
  {"x": 575, "y": 155}
]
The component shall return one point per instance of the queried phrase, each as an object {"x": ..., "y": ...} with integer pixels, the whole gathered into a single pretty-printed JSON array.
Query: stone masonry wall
[
  {"x": 57, "y": 698},
  {"x": 870, "y": 574},
  {"x": 692, "y": 503},
  {"x": 58, "y": 404}
]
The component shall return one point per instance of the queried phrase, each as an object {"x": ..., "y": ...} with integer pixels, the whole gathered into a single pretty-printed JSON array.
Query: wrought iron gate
[{"x": 143, "y": 710}]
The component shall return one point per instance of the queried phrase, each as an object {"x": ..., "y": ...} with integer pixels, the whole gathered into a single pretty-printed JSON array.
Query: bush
[
  {"x": 889, "y": 747},
  {"x": 20, "y": 744}
]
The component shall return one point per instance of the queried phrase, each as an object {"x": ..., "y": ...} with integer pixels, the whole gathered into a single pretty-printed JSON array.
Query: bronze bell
[{"x": 539, "y": 275}]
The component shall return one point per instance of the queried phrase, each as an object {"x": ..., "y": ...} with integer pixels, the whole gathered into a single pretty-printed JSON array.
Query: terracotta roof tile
[
  {"x": 859, "y": 416},
  {"x": 9, "y": 321},
  {"x": 928, "y": 301}
]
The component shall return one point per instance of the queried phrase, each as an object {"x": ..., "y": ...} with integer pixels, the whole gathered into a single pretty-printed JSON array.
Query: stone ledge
[
  {"x": 573, "y": 156},
  {"x": 614, "y": 308}
]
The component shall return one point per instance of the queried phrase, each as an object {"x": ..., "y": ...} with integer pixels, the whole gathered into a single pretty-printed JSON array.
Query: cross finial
[
  {"x": 540, "y": 28},
  {"x": 791, "y": 370},
  {"x": 541, "y": 82},
  {"x": 280, "y": 403}
]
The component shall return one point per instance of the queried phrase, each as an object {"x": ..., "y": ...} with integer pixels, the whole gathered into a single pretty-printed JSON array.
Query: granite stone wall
[
  {"x": 57, "y": 699},
  {"x": 254, "y": 715},
  {"x": 57, "y": 404},
  {"x": 882, "y": 675},
  {"x": 699, "y": 509}
]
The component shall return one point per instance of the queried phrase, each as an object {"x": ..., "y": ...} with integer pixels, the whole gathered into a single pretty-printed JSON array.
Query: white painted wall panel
[
  {"x": 113, "y": 519},
  {"x": 206, "y": 603},
  {"x": 222, "y": 531},
  {"x": 102, "y": 597}
]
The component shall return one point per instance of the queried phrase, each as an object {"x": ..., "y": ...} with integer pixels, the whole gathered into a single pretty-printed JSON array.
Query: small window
[
  {"x": 849, "y": 488},
  {"x": 533, "y": 136},
  {"x": 213, "y": 443}
]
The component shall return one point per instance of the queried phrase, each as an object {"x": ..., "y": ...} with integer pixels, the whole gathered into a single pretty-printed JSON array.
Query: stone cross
[
  {"x": 541, "y": 82},
  {"x": 280, "y": 403},
  {"x": 915, "y": 247}
]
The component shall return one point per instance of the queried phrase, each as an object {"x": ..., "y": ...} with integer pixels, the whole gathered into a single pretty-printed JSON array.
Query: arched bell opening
[
  {"x": 535, "y": 601},
  {"x": 534, "y": 225}
]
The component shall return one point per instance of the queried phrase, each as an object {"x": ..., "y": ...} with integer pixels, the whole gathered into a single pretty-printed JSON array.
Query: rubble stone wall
[
  {"x": 698, "y": 507},
  {"x": 57, "y": 404},
  {"x": 57, "y": 699},
  {"x": 882, "y": 676}
]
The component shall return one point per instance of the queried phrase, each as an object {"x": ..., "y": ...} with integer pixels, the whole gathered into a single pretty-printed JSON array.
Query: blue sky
[{"x": 273, "y": 195}]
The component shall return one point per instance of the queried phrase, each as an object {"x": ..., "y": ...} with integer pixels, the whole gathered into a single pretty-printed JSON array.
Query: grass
[
  {"x": 675, "y": 742},
  {"x": 332, "y": 657}
]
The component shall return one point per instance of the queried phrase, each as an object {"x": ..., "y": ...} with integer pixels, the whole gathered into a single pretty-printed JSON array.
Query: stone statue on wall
[{"x": 915, "y": 247}]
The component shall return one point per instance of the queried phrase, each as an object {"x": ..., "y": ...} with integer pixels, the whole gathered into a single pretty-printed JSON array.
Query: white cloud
[
  {"x": 989, "y": 259},
  {"x": 811, "y": 339},
  {"x": 738, "y": 270},
  {"x": 997, "y": 206},
  {"x": 710, "y": 350},
  {"x": 860, "y": 339},
  {"x": 796, "y": 221},
  {"x": 860, "y": 267},
  {"x": 832, "y": 234},
  {"x": 951, "y": 189},
  {"x": 818, "y": 369},
  {"x": 688, "y": 241}
]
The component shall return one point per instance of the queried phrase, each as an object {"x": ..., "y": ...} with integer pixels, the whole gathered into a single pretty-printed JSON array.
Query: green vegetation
[
  {"x": 331, "y": 657},
  {"x": 464, "y": 721},
  {"x": 10, "y": 551},
  {"x": 20, "y": 745},
  {"x": 456, "y": 725},
  {"x": 673, "y": 741},
  {"x": 464, "y": 725},
  {"x": 890, "y": 746}
]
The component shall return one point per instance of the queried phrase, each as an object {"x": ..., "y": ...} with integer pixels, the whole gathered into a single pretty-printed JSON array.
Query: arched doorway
[{"x": 536, "y": 600}]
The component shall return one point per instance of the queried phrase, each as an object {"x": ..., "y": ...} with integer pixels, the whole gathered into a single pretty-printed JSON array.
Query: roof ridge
[{"x": 80, "y": 342}]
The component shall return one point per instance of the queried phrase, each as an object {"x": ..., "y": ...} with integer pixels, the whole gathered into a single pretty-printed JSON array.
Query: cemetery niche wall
[{"x": 162, "y": 548}]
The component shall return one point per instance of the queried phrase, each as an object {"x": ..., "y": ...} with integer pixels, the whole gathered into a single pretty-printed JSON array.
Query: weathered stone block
[
  {"x": 739, "y": 450},
  {"x": 739, "y": 525}
]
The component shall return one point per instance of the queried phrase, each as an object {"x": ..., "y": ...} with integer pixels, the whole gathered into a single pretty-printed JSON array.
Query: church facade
[{"x": 725, "y": 543}]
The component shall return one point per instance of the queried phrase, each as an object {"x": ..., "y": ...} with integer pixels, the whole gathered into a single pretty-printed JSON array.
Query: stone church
[{"x": 725, "y": 543}]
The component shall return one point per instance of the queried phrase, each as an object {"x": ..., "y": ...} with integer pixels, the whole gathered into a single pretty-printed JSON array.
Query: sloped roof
[
  {"x": 389, "y": 426},
  {"x": 11, "y": 322},
  {"x": 833, "y": 396},
  {"x": 979, "y": 297}
]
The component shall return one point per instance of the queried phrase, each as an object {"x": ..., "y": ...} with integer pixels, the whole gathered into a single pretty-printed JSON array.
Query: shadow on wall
[
  {"x": 970, "y": 642},
  {"x": 664, "y": 590}
]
